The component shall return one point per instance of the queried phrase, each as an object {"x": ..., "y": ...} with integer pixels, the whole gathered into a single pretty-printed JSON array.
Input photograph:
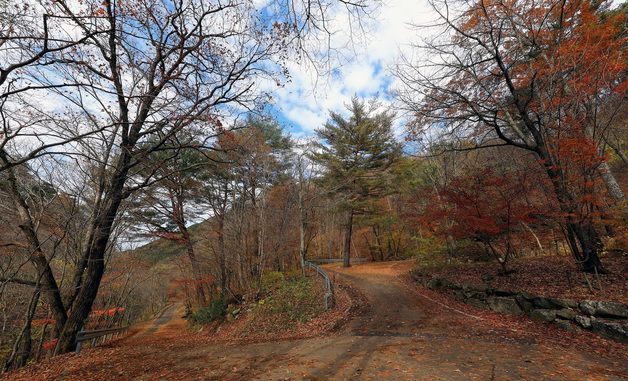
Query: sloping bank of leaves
[
  {"x": 289, "y": 307},
  {"x": 286, "y": 301}
]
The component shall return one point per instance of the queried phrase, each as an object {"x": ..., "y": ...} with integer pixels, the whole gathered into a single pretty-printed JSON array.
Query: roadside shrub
[
  {"x": 272, "y": 280},
  {"x": 216, "y": 310},
  {"x": 287, "y": 300},
  {"x": 427, "y": 247}
]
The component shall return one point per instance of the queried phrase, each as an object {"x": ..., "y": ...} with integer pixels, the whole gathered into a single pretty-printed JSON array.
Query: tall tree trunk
[
  {"x": 96, "y": 248},
  {"x": 451, "y": 247},
  {"x": 614, "y": 190},
  {"x": 302, "y": 227},
  {"x": 222, "y": 262},
  {"x": 22, "y": 347},
  {"x": 261, "y": 253},
  {"x": 588, "y": 247},
  {"x": 584, "y": 241},
  {"x": 378, "y": 242},
  {"x": 41, "y": 342},
  {"x": 38, "y": 258},
  {"x": 618, "y": 150},
  {"x": 196, "y": 267},
  {"x": 346, "y": 248}
]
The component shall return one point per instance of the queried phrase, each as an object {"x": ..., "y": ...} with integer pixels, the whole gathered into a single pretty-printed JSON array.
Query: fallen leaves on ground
[
  {"x": 551, "y": 276},
  {"x": 519, "y": 328}
]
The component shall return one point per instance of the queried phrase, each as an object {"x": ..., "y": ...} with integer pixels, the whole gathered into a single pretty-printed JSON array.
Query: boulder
[
  {"x": 612, "y": 309},
  {"x": 566, "y": 313},
  {"x": 436, "y": 283},
  {"x": 526, "y": 296},
  {"x": 544, "y": 303},
  {"x": 612, "y": 329},
  {"x": 476, "y": 303},
  {"x": 417, "y": 276},
  {"x": 565, "y": 303},
  {"x": 525, "y": 303},
  {"x": 475, "y": 295},
  {"x": 543, "y": 315},
  {"x": 583, "y": 321},
  {"x": 459, "y": 296},
  {"x": 588, "y": 307},
  {"x": 564, "y": 324},
  {"x": 475, "y": 288},
  {"x": 553, "y": 303},
  {"x": 504, "y": 305},
  {"x": 604, "y": 309},
  {"x": 455, "y": 286},
  {"x": 488, "y": 277},
  {"x": 503, "y": 293},
  {"x": 480, "y": 288}
]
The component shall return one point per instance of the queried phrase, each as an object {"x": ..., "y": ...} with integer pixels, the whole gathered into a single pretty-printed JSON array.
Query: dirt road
[{"x": 399, "y": 336}]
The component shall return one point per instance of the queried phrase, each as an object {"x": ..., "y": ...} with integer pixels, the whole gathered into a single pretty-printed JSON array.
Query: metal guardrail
[
  {"x": 329, "y": 294},
  {"x": 337, "y": 260},
  {"x": 95, "y": 335}
]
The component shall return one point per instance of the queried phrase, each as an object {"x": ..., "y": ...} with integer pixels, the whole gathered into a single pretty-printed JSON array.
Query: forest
[{"x": 145, "y": 161}]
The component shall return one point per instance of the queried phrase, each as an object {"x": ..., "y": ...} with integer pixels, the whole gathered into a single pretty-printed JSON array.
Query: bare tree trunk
[
  {"x": 502, "y": 260},
  {"x": 196, "y": 268},
  {"x": 222, "y": 262},
  {"x": 41, "y": 342},
  {"x": 96, "y": 248},
  {"x": 584, "y": 241},
  {"x": 588, "y": 246},
  {"x": 346, "y": 248},
  {"x": 536, "y": 238},
  {"x": 38, "y": 258},
  {"x": 619, "y": 151},
  {"x": 22, "y": 347},
  {"x": 451, "y": 247},
  {"x": 614, "y": 190},
  {"x": 302, "y": 226},
  {"x": 261, "y": 232},
  {"x": 378, "y": 243}
]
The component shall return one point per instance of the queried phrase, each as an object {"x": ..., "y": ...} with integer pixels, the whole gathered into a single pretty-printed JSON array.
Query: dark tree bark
[
  {"x": 584, "y": 240},
  {"x": 504, "y": 109},
  {"x": 38, "y": 258},
  {"x": 196, "y": 268},
  {"x": 22, "y": 347},
  {"x": 346, "y": 247},
  {"x": 222, "y": 260}
]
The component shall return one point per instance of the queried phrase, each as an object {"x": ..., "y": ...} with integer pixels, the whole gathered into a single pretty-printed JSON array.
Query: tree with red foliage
[
  {"x": 490, "y": 207},
  {"x": 535, "y": 75}
]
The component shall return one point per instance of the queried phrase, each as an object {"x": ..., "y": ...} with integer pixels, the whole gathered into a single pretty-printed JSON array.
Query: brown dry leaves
[{"x": 552, "y": 276}]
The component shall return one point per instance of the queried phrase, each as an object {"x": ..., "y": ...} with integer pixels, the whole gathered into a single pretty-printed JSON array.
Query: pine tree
[{"x": 355, "y": 154}]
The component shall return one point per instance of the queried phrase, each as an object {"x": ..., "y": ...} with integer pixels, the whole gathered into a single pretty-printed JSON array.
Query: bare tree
[
  {"x": 134, "y": 77},
  {"x": 496, "y": 74}
]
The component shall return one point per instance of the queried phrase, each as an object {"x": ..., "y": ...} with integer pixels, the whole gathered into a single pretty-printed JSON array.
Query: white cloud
[
  {"x": 308, "y": 119},
  {"x": 307, "y": 99}
]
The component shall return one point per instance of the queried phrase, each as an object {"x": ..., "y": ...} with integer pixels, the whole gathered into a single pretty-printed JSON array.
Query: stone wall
[{"x": 609, "y": 319}]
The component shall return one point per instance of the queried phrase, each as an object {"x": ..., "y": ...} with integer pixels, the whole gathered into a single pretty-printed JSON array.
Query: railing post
[{"x": 79, "y": 342}]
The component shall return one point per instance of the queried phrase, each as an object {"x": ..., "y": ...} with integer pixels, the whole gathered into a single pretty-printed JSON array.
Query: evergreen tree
[{"x": 355, "y": 154}]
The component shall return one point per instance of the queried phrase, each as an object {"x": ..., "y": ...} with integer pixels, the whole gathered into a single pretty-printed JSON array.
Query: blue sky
[{"x": 365, "y": 70}]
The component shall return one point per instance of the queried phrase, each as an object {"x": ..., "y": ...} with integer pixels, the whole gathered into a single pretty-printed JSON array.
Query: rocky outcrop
[
  {"x": 609, "y": 319},
  {"x": 611, "y": 328},
  {"x": 504, "y": 305},
  {"x": 604, "y": 309}
]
